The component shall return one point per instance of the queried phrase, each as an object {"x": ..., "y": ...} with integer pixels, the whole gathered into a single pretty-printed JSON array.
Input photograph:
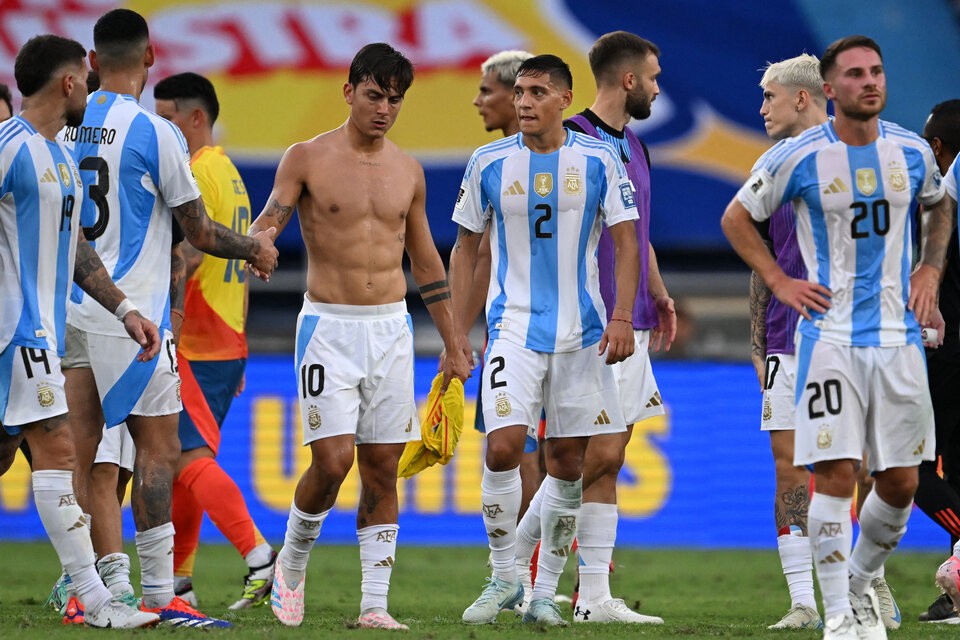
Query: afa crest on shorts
[
  {"x": 313, "y": 417},
  {"x": 502, "y": 405},
  {"x": 45, "y": 395}
]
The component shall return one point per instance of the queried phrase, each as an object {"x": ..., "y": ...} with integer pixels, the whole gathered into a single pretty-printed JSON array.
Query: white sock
[
  {"x": 114, "y": 570},
  {"x": 155, "y": 550},
  {"x": 559, "y": 514},
  {"x": 596, "y": 536},
  {"x": 501, "y": 492},
  {"x": 378, "y": 548},
  {"x": 881, "y": 528},
  {"x": 303, "y": 529},
  {"x": 528, "y": 536},
  {"x": 259, "y": 556},
  {"x": 796, "y": 559},
  {"x": 70, "y": 534},
  {"x": 831, "y": 535}
]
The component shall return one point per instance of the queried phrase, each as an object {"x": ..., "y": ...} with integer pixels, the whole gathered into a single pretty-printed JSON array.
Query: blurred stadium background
[{"x": 701, "y": 476}]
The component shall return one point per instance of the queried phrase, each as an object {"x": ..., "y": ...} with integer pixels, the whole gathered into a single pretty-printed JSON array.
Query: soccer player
[
  {"x": 626, "y": 68},
  {"x": 938, "y": 497},
  {"x": 6, "y": 103},
  {"x": 545, "y": 194},
  {"x": 793, "y": 101},
  {"x": 212, "y": 352},
  {"x": 361, "y": 204},
  {"x": 42, "y": 252},
  {"x": 137, "y": 174},
  {"x": 861, "y": 379},
  {"x": 494, "y": 103}
]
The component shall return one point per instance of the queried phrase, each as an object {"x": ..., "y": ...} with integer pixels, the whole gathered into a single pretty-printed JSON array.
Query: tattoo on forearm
[
  {"x": 178, "y": 278},
  {"x": 440, "y": 290},
  {"x": 212, "y": 237},
  {"x": 759, "y": 301},
  {"x": 282, "y": 212},
  {"x": 90, "y": 274}
]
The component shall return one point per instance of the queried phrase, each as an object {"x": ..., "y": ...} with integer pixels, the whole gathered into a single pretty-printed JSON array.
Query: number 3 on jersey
[{"x": 97, "y": 192}]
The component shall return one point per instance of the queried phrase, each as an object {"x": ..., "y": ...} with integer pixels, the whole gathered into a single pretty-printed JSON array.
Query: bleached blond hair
[
  {"x": 801, "y": 72},
  {"x": 504, "y": 65}
]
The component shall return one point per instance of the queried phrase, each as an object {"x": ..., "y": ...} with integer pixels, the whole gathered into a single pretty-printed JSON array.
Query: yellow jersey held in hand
[{"x": 439, "y": 430}]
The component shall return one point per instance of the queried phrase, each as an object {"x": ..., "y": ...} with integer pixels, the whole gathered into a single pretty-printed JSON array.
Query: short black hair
[
  {"x": 613, "y": 49},
  {"x": 6, "y": 96},
  {"x": 553, "y": 66},
  {"x": 384, "y": 65},
  {"x": 944, "y": 123},
  {"x": 119, "y": 35},
  {"x": 41, "y": 57},
  {"x": 189, "y": 86},
  {"x": 829, "y": 59}
]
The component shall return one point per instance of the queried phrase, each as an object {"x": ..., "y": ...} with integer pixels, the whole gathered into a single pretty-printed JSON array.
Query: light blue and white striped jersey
[
  {"x": 855, "y": 208},
  {"x": 136, "y": 166},
  {"x": 39, "y": 194},
  {"x": 545, "y": 212}
]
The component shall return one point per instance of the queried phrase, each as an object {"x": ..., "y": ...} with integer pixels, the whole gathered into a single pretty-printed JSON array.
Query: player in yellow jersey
[{"x": 212, "y": 351}]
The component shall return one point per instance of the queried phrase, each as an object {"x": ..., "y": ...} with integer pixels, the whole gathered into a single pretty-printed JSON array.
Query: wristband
[
  {"x": 124, "y": 308},
  {"x": 178, "y": 312},
  {"x": 630, "y": 322}
]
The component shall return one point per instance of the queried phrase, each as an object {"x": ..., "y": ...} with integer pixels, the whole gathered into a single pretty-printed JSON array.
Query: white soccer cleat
[
  {"x": 889, "y": 611},
  {"x": 866, "y": 610},
  {"x": 380, "y": 619},
  {"x": 117, "y": 614},
  {"x": 612, "y": 610},
  {"x": 948, "y": 577},
  {"x": 546, "y": 612},
  {"x": 287, "y": 603},
  {"x": 840, "y": 628},
  {"x": 799, "y": 617},
  {"x": 496, "y": 596}
]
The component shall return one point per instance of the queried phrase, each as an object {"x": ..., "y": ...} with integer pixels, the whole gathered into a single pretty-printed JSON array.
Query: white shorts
[
  {"x": 639, "y": 396},
  {"x": 354, "y": 367},
  {"x": 125, "y": 385},
  {"x": 856, "y": 400},
  {"x": 779, "y": 393},
  {"x": 116, "y": 447},
  {"x": 31, "y": 387},
  {"x": 576, "y": 388}
]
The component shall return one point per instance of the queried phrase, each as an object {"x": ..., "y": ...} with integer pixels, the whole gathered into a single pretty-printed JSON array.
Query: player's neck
[
  {"x": 547, "y": 141},
  {"x": 360, "y": 141},
  {"x": 198, "y": 140},
  {"x": 856, "y": 132},
  {"x": 125, "y": 83},
  {"x": 814, "y": 120},
  {"x": 47, "y": 117},
  {"x": 610, "y": 109}
]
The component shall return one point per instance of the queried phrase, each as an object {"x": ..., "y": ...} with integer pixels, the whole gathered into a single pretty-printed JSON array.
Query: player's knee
[{"x": 603, "y": 462}]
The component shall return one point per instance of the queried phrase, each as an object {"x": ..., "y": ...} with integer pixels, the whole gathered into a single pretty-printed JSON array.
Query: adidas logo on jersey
[
  {"x": 516, "y": 189},
  {"x": 603, "y": 418},
  {"x": 836, "y": 186},
  {"x": 48, "y": 176}
]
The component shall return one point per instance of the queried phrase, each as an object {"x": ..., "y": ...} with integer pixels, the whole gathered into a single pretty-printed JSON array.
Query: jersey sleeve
[
  {"x": 176, "y": 182},
  {"x": 933, "y": 187},
  {"x": 618, "y": 203},
  {"x": 472, "y": 208},
  {"x": 950, "y": 180},
  {"x": 763, "y": 193}
]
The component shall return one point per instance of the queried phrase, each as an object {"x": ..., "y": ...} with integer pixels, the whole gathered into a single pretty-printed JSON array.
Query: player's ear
[
  {"x": 149, "y": 56},
  {"x": 93, "y": 60},
  {"x": 348, "y": 92},
  {"x": 566, "y": 99}
]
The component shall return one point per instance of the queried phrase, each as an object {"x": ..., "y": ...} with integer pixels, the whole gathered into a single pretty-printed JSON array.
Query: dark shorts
[{"x": 207, "y": 389}]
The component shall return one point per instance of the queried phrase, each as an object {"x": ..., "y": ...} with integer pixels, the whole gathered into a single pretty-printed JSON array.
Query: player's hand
[
  {"x": 924, "y": 285},
  {"x": 665, "y": 332},
  {"x": 145, "y": 333},
  {"x": 937, "y": 324},
  {"x": 802, "y": 295},
  {"x": 617, "y": 341},
  {"x": 760, "y": 365},
  {"x": 454, "y": 364},
  {"x": 266, "y": 254}
]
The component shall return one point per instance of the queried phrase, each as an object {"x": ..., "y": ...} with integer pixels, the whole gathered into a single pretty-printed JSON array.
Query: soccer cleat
[
  {"x": 947, "y": 579},
  {"x": 178, "y": 613},
  {"x": 183, "y": 588},
  {"x": 889, "y": 611},
  {"x": 379, "y": 619},
  {"x": 286, "y": 603},
  {"x": 941, "y": 611},
  {"x": 840, "y": 628},
  {"x": 612, "y": 610},
  {"x": 496, "y": 596},
  {"x": 866, "y": 610},
  {"x": 525, "y": 577},
  {"x": 256, "y": 585},
  {"x": 799, "y": 617},
  {"x": 73, "y": 612},
  {"x": 544, "y": 611},
  {"x": 117, "y": 614},
  {"x": 58, "y": 598}
]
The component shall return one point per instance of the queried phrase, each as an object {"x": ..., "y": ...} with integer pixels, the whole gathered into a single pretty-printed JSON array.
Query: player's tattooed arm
[
  {"x": 759, "y": 301},
  {"x": 434, "y": 292},
  {"x": 91, "y": 276},
  {"x": 277, "y": 213},
  {"x": 938, "y": 222},
  {"x": 215, "y": 239}
]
